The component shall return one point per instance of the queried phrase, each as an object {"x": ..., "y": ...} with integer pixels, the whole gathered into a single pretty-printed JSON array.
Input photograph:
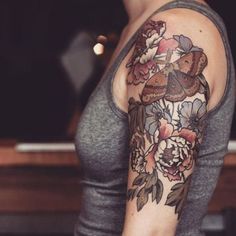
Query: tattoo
[
  {"x": 178, "y": 196},
  {"x": 151, "y": 185},
  {"x": 167, "y": 122}
]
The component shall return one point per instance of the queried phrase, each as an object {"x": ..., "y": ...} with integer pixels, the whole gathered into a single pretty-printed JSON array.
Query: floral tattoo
[{"x": 168, "y": 119}]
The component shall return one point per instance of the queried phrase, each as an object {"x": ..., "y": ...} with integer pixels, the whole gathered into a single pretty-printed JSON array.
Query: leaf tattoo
[
  {"x": 177, "y": 197},
  {"x": 137, "y": 116},
  {"x": 146, "y": 185}
]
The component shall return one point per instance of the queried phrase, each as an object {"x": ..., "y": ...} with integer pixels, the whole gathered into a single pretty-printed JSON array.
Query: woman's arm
[{"x": 168, "y": 80}]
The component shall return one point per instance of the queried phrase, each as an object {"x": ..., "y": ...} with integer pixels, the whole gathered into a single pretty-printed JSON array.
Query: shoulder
[{"x": 177, "y": 32}]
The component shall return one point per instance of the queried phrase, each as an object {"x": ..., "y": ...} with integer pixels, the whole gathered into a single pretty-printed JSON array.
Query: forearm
[
  {"x": 149, "y": 231},
  {"x": 153, "y": 219}
]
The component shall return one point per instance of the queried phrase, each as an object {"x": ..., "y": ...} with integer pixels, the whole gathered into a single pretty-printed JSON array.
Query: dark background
[{"x": 37, "y": 98}]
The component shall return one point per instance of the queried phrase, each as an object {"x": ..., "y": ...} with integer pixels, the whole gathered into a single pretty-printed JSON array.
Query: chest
[{"x": 102, "y": 140}]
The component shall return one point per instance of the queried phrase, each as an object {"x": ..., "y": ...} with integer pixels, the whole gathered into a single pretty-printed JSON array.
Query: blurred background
[
  {"x": 52, "y": 55},
  {"x": 48, "y": 66},
  {"x": 48, "y": 63}
]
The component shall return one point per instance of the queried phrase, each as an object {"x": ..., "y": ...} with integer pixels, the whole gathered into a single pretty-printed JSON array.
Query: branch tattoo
[{"x": 168, "y": 119}]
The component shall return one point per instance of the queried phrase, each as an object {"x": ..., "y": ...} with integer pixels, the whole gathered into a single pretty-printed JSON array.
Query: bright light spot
[{"x": 98, "y": 49}]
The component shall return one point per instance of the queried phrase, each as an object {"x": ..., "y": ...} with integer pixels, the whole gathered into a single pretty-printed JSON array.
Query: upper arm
[{"x": 168, "y": 94}]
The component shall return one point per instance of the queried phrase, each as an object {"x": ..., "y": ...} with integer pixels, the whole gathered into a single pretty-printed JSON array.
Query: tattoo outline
[{"x": 170, "y": 113}]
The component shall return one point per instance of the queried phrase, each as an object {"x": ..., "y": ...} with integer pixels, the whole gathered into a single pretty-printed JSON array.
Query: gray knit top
[{"x": 103, "y": 150}]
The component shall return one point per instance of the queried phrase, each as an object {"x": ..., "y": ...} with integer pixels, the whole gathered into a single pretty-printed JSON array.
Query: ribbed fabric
[{"x": 102, "y": 146}]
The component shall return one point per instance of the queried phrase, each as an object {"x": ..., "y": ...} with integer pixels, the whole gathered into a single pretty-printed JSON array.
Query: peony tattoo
[{"x": 168, "y": 119}]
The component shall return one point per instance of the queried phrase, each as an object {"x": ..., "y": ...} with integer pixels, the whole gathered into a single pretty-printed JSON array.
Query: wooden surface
[
  {"x": 49, "y": 182},
  {"x": 225, "y": 193},
  {"x": 39, "y": 189},
  {"x": 10, "y": 157},
  {"x": 57, "y": 189},
  {"x": 230, "y": 160}
]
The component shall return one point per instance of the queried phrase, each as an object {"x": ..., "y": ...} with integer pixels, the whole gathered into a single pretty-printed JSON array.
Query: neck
[{"x": 135, "y": 8}]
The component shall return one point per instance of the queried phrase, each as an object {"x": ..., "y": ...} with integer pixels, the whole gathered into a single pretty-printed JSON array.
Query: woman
[{"x": 158, "y": 123}]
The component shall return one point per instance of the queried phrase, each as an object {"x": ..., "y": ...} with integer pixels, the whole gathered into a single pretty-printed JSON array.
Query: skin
[
  {"x": 136, "y": 8},
  {"x": 136, "y": 19},
  {"x": 143, "y": 210}
]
